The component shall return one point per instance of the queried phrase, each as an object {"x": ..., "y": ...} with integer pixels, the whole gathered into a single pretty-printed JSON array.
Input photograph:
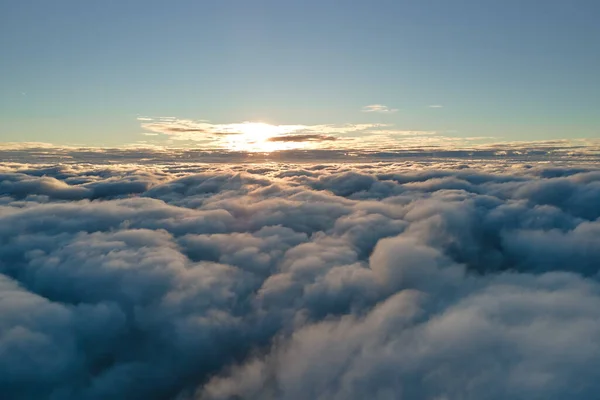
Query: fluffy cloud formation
[{"x": 424, "y": 279}]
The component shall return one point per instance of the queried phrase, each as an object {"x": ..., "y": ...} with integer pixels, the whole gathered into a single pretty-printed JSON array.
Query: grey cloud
[
  {"x": 175, "y": 129},
  {"x": 560, "y": 153}
]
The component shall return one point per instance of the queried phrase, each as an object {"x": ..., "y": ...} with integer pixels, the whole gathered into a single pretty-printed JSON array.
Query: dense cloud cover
[
  {"x": 407, "y": 280},
  {"x": 362, "y": 148}
]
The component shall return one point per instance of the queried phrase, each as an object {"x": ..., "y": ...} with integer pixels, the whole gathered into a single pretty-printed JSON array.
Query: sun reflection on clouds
[{"x": 258, "y": 136}]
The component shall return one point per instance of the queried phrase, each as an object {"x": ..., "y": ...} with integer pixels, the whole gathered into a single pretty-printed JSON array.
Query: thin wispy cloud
[
  {"x": 202, "y": 130},
  {"x": 395, "y": 132},
  {"x": 379, "y": 108},
  {"x": 263, "y": 137},
  {"x": 343, "y": 128},
  {"x": 436, "y": 106},
  {"x": 189, "y": 129},
  {"x": 368, "y": 148}
]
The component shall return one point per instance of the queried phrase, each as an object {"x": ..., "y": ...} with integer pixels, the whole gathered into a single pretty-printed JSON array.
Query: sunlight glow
[{"x": 255, "y": 136}]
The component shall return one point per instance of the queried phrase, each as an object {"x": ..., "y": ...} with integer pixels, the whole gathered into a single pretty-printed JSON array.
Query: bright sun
[
  {"x": 258, "y": 130},
  {"x": 256, "y": 137}
]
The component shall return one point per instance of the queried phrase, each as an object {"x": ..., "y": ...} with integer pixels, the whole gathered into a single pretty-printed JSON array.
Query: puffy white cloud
[{"x": 424, "y": 279}]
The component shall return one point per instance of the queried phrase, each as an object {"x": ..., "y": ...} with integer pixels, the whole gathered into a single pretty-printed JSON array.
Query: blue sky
[{"x": 82, "y": 72}]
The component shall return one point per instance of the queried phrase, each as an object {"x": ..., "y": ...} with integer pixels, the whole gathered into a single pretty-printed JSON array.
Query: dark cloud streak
[{"x": 303, "y": 138}]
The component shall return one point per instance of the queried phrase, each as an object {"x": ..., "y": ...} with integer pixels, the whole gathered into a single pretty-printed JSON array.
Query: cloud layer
[
  {"x": 249, "y": 136},
  {"x": 414, "y": 279},
  {"x": 382, "y": 145}
]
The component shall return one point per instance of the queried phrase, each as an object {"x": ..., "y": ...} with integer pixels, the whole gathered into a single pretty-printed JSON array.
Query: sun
[
  {"x": 256, "y": 137},
  {"x": 257, "y": 130}
]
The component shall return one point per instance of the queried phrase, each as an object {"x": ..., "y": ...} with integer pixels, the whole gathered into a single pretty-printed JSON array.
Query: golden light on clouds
[{"x": 258, "y": 136}]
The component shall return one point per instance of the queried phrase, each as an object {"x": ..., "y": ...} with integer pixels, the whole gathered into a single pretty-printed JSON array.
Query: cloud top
[
  {"x": 411, "y": 278},
  {"x": 381, "y": 144}
]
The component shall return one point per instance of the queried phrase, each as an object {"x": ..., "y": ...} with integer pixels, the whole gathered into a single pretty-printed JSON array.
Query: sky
[{"x": 247, "y": 74}]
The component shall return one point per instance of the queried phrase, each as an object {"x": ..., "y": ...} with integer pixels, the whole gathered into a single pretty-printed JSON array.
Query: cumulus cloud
[
  {"x": 379, "y": 108},
  {"x": 414, "y": 278}
]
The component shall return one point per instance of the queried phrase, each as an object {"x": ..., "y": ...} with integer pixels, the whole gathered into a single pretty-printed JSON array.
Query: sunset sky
[{"x": 182, "y": 73}]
